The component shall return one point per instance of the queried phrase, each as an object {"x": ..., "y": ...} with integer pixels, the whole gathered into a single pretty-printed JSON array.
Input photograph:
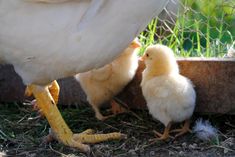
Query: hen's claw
[{"x": 97, "y": 138}]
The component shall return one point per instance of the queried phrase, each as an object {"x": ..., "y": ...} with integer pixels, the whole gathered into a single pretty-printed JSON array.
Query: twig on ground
[
  {"x": 132, "y": 125},
  {"x": 110, "y": 126},
  {"x": 22, "y": 119},
  {"x": 124, "y": 143},
  {"x": 216, "y": 146},
  {"x": 63, "y": 155},
  {"x": 229, "y": 124}
]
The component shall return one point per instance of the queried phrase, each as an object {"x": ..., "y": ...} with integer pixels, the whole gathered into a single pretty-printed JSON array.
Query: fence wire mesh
[{"x": 202, "y": 28}]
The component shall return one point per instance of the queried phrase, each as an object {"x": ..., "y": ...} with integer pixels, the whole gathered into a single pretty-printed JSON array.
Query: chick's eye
[{"x": 147, "y": 55}]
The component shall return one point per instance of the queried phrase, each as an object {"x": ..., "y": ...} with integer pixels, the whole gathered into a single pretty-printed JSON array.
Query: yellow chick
[
  {"x": 170, "y": 96},
  {"x": 100, "y": 85}
]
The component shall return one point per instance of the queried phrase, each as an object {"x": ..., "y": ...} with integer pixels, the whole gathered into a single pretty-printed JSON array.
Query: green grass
[{"x": 206, "y": 29}]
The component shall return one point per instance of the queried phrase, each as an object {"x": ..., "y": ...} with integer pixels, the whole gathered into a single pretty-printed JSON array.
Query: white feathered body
[
  {"x": 47, "y": 41},
  {"x": 170, "y": 98},
  {"x": 102, "y": 84}
]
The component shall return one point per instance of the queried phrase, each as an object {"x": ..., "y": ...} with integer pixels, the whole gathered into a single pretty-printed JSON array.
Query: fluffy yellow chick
[
  {"x": 100, "y": 85},
  {"x": 170, "y": 96}
]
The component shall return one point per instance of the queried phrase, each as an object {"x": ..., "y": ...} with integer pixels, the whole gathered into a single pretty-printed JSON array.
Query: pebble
[
  {"x": 171, "y": 153},
  {"x": 181, "y": 153},
  {"x": 152, "y": 153},
  {"x": 184, "y": 145},
  {"x": 132, "y": 152},
  {"x": 193, "y": 146},
  {"x": 226, "y": 151},
  {"x": 228, "y": 142}
]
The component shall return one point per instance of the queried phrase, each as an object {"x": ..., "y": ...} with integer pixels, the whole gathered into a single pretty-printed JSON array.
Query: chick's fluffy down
[
  {"x": 170, "y": 98},
  {"x": 102, "y": 84}
]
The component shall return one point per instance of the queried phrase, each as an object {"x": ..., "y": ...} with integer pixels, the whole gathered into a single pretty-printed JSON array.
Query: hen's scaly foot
[
  {"x": 97, "y": 138},
  {"x": 60, "y": 129},
  {"x": 184, "y": 129},
  {"x": 89, "y": 137},
  {"x": 51, "y": 136}
]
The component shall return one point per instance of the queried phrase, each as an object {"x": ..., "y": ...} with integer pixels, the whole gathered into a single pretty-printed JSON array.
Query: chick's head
[{"x": 160, "y": 60}]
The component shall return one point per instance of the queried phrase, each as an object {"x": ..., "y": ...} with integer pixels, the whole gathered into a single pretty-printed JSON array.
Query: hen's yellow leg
[
  {"x": 60, "y": 129},
  {"x": 184, "y": 129},
  {"x": 54, "y": 89}
]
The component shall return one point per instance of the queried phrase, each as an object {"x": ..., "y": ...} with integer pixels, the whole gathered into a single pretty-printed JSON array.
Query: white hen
[{"x": 50, "y": 39}]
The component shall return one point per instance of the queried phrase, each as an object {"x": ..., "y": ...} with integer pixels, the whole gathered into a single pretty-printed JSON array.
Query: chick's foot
[
  {"x": 116, "y": 108},
  {"x": 184, "y": 129},
  {"x": 165, "y": 135}
]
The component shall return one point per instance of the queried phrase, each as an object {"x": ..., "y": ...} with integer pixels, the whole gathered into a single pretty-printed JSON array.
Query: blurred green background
[{"x": 197, "y": 28}]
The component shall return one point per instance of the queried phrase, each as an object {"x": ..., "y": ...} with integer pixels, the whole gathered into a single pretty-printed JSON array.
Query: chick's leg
[
  {"x": 60, "y": 129},
  {"x": 116, "y": 108},
  {"x": 184, "y": 129},
  {"x": 98, "y": 115},
  {"x": 165, "y": 135}
]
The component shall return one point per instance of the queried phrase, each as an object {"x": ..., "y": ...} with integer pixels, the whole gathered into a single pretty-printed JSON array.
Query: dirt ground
[{"x": 22, "y": 132}]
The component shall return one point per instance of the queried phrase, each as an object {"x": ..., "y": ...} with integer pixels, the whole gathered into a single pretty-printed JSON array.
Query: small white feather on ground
[{"x": 204, "y": 130}]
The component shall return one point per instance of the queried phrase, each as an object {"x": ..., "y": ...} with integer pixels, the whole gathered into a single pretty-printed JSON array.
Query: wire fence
[{"x": 202, "y": 28}]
